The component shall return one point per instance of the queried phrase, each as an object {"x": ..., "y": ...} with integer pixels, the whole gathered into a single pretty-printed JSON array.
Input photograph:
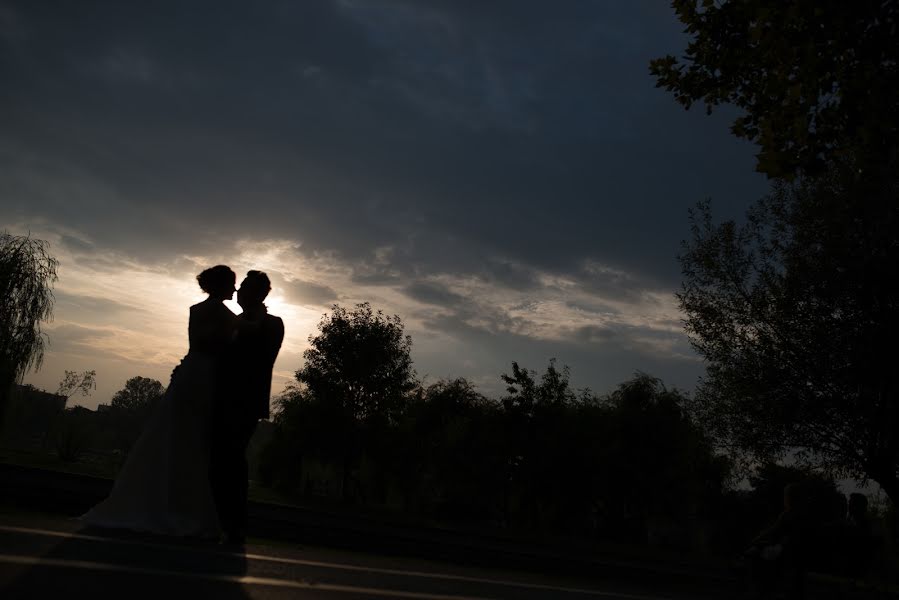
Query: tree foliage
[
  {"x": 655, "y": 444},
  {"x": 77, "y": 382},
  {"x": 353, "y": 389},
  {"x": 311, "y": 427},
  {"x": 448, "y": 454},
  {"x": 27, "y": 274},
  {"x": 138, "y": 395},
  {"x": 73, "y": 432},
  {"x": 525, "y": 393},
  {"x": 544, "y": 457},
  {"x": 797, "y": 315},
  {"x": 817, "y": 80},
  {"x": 360, "y": 361}
]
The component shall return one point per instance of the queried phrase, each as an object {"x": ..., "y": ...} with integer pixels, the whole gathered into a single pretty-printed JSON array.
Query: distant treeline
[
  {"x": 541, "y": 458},
  {"x": 630, "y": 465},
  {"x": 358, "y": 428}
]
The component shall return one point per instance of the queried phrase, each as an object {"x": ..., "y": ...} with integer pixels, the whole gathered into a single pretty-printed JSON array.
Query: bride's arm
[
  {"x": 213, "y": 328},
  {"x": 230, "y": 324}
]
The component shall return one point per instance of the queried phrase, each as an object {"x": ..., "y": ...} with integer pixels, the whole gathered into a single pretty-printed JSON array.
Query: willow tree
[{"x": 27, "y": 274}]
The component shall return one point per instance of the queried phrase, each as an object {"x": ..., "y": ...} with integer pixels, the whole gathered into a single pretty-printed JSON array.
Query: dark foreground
[
  {"x": 52, "y": 557},
  {"x": 300, "y": 553}
]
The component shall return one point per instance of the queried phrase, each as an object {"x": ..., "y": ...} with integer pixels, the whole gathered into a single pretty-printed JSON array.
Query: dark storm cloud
[
  {"x": 70, "y": 338},
  {"x": 592, "y": 306},
  {"x": 592, "y": 333},
  {"x": 308, "y": 293},
  {"x": 76, "y": 245},
  {"x": 93, "y": 306},
  {"x": 376, "y": 272},
  {"x": 512, "y": 130},
  {"x": 508, "y": 143},
  {"x": 475, "y": 325},
  {"x": 429, "y": 292},
  {"x": 175, "y": 119},
  {"x": 612, "y": 284},
  {"x": 598, "y": 359},
  {"x": 510, "y": 275}
]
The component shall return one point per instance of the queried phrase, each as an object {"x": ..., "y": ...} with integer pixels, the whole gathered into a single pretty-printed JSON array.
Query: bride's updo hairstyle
[{"x": 217, "y": 281}]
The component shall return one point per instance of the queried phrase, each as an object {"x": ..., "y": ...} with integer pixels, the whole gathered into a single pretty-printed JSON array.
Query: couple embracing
[{"x": 187, "y": 473}]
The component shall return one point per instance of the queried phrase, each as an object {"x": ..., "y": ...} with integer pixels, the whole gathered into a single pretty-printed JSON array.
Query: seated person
[
  {"x": 783, "y": 548},
  {"x": 859, "y": 543},
  {"x": 857, "y": 515}
]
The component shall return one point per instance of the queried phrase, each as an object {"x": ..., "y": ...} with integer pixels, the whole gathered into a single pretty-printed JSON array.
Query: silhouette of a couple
[{"x": 187, "y": 473}]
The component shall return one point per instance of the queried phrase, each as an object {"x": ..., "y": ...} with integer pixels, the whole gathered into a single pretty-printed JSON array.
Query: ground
[{"x": 47, "y": 556}]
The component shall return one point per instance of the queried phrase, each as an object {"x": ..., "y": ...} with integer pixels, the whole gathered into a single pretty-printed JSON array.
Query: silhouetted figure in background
[
  {"x": 780, "y": 553},
  {"x": 242, "y": 398},
  {"x": 858, "y": 542},
  {"x": 857, "y": 514}
]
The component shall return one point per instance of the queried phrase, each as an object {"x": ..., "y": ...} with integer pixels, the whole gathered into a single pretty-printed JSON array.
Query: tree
[
  {"x": 358, "y": 376},
  {"x": 73, "y": 431},
  {"x": 138, "y": 395},
  {"x": 27, "y": 274},
  {"x": 306, "y": 426},
  {"x": 797, "y": 316},
  {"x": 71, "y": 428},
  {"x": 129, "y": 409},
  {"x": 525, "y": 394},
  {"x": 75, "y": 382},
  {"x": 817, "y": 80},
  {"x": 361, "y": 361},
  {"x": 541, "y": 453},
  {"x": 654, "y": 445},
  {"x": 449, "y": 455}
]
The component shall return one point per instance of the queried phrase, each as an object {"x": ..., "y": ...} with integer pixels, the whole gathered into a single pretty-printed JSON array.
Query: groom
[{"x": 242, "y": 398}]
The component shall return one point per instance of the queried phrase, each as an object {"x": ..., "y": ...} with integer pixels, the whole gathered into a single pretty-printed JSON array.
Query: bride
[{"x": 164, "y": 486}]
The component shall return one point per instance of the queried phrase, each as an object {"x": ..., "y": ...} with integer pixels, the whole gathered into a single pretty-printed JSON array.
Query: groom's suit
[{"x": 242, "y": 398}]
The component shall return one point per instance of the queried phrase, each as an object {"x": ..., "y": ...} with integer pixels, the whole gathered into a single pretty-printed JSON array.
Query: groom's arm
[
  {"x": 272, "y": 337},
  {"x": 277, "y": 338}
]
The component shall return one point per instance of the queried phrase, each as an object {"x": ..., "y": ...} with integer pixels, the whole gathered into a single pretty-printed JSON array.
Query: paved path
[{"x": 53, "y": 557}]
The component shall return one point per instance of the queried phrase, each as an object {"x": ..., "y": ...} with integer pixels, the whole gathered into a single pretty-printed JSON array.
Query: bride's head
[{"x": 218, "y": 282}]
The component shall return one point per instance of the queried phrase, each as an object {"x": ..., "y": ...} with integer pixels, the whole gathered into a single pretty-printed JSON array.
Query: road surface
[{"x": 43, "y": 556}]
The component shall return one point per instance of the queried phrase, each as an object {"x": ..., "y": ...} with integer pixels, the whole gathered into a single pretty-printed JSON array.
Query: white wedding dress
[{"x": 163, "y": 486}]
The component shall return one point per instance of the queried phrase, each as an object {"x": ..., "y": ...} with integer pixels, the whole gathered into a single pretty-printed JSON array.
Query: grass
[
  {"x": 107, "y": 470},
  {"x": 48, "y": 460},
  {"x": 95, "y": 466}
]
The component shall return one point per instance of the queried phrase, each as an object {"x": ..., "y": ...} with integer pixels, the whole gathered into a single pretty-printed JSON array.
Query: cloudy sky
[{"x": 502, "y": 175}]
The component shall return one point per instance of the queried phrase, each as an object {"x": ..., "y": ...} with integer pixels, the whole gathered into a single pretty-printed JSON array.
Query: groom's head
[{"x": 253, "y": 289}]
